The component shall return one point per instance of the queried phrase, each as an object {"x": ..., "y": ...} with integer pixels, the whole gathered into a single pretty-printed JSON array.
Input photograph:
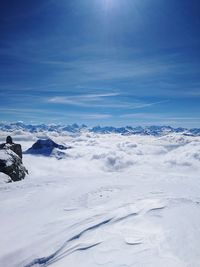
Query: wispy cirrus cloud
[
  {"x": 110, "y": 69},
  {"x": 158, "y": 116},
  {"x": 81, "y": 100},
  {"x": 95, "y": 116},
  {"x": 49, "y": 116},
  {"x": 107, "y": 100}
]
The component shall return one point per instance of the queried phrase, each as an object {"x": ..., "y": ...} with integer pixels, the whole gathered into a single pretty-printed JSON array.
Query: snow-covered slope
[
  {"x": 4, "y": 178},
  {"x": 114, "y": 201}
]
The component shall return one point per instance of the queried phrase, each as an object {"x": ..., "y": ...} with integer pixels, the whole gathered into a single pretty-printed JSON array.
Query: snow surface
[
  {"x": 114, "y": 201},
  {"x": 4, "y": 178}
]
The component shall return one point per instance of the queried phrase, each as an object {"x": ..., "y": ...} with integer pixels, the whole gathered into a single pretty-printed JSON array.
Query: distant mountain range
[{"x": 75, "y": 128}]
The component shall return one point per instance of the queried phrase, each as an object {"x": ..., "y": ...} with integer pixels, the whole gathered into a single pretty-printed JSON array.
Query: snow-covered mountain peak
[
  {"x": 46, "y": 147},
  {"x": 76, "y": 129}
]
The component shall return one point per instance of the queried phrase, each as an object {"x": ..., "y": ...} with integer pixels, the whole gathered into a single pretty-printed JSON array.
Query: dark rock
[
  {"x": 45, "y": 147},
  {"x": 11, "y": 164}
]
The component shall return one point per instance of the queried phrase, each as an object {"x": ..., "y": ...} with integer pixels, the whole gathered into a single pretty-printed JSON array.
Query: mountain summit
[{"x": 45, "y": 147}]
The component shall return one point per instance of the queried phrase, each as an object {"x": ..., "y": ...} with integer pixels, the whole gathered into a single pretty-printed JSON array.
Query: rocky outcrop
[
  {"x": 11, "y": 165},
  {"x": 46, "y": 147}
]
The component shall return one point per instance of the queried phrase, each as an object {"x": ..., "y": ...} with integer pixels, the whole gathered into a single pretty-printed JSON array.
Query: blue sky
[{"x": 107, "y": 62}]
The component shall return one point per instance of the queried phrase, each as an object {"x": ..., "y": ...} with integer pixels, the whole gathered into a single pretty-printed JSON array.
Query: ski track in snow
[{"x": 113, "y": 201}]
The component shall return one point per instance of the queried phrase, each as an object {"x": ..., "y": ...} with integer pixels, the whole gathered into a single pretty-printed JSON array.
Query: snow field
[{"x": 112, "y": 201}]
